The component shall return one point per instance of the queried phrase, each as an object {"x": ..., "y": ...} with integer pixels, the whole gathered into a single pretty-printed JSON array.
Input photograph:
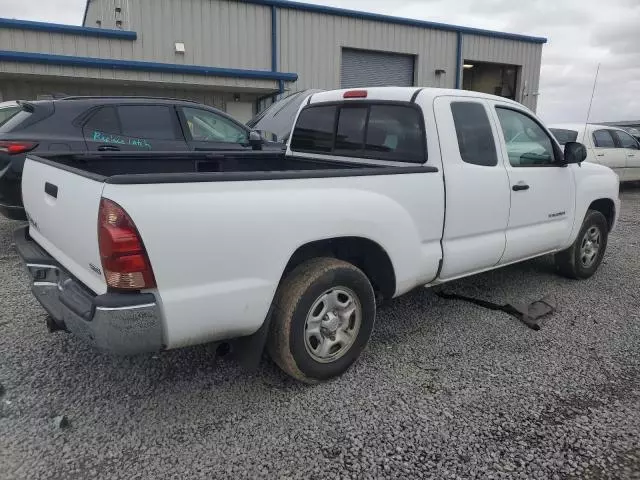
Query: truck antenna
[{"x": 593, "y": 93}]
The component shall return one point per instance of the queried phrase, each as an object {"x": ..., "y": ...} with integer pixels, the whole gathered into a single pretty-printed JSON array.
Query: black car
[
  {"x": 276, "y": 121},
  {"x": 108, "y": 124}
]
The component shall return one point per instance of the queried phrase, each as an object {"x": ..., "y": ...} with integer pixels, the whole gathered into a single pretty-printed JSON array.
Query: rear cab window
[{"x": 391, "y": 131}]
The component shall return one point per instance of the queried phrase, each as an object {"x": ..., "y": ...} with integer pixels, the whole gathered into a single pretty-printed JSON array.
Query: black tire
[
  {"x": 570, "y": 261},
  {"x": 306, "y": 285}
]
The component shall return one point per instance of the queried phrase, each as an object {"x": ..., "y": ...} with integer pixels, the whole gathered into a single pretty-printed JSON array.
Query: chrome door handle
[
  {"x": 601, "y": 155},
  {"x": 631, "y": 155}
]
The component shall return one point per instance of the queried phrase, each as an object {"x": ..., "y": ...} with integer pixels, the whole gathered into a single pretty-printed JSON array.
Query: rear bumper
[
  {"x": 12, "y": 212},
  {"x": 122, "y": 324}
]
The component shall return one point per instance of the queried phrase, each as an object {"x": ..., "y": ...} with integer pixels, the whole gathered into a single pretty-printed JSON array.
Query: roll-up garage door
[{"x": 364, "y": 68}]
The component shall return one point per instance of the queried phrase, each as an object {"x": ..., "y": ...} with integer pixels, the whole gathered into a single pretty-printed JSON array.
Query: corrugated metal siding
[
  {"x": 527, "y": 55},
  {"x": 218, "y": 33},
  {"x": 14, "y": 89},
  {"x": 105, "y": 12},
  {"x": 310, "y": 45},
  {"x": 73, "y": 73},
  {"x": 65, "y": 44},
  {"x": 363, "y": 68},
  {"x": 224, "y": 34}
]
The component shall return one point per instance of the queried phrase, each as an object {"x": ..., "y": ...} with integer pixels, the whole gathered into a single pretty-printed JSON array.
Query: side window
[
  {"x": 148, "y": 121},
  {"x": 351, "y": 129},
  {"x": 528, "y": 145},
  {"x": 206, "y": 126},
  {"x": 105, "y": 120},
  {"x": 603, "y": 139},
  {"x": 475, "y": 138},
  {"x": 626, "y": 140},
  {"x": 314, "y": 130},
  {"x": 395, "y": 132}
]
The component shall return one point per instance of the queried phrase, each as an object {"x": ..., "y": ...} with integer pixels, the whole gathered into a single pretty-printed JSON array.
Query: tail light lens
[
  {"x": 125, "y": 262},
  {"x": 14, "y": 147}
]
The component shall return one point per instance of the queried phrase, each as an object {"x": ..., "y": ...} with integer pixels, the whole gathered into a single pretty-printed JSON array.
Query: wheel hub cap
[
  {"x": 590, "y": 247},
  {"x": 332, "y": 324}
]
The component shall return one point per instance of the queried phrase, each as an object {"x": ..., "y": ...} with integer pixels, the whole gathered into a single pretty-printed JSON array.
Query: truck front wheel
[
  {"x": 323, "y": 316},
  {"x": 582, "y": 259}
]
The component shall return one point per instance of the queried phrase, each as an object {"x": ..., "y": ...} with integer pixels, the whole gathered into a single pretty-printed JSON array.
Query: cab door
[
  {"x": 631, "y": 149},
  {"x": 541, "y": 188},
  {"x": 477, "y": 187},
  {"x": 606, "y": 151}
]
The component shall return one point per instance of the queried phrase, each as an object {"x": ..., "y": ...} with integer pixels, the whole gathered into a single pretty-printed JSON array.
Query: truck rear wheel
[
  {"x": 323, "y": 317},
  {"x": 582, "y": 259}
]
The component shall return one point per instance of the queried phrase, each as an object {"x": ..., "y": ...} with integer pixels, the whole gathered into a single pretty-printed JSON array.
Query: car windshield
[
  {"x": 563, "y": 136},
  {"x": 277, "y": 120}
]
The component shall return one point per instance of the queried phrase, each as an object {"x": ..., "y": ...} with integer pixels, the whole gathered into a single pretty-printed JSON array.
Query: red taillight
[
  {"x": 15, "y": 147},
  {"x": 125, "y": 262},
  {"x": 355, "y": 94}
]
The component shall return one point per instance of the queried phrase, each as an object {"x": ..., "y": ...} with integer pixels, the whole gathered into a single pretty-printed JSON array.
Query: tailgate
[{"x": 62, "y": 206}]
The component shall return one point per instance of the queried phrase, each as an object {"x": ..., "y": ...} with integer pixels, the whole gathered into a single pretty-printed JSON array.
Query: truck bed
[{"x": 181, "y": 167}]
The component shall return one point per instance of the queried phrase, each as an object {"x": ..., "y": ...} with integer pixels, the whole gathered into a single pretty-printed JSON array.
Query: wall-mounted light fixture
[
  {"x": 440, "y": 71},
  {"x": 180, "y": 47}
]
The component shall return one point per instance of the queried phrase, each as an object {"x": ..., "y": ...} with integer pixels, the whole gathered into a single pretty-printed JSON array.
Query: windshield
[
  {"x": 563, "y": 136},
  {"x": 277, "y": 120},
  {"x": 273, "y": 109}
]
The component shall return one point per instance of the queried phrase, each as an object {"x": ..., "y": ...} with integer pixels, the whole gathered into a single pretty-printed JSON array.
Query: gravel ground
[{"x": 446, "y": 389}]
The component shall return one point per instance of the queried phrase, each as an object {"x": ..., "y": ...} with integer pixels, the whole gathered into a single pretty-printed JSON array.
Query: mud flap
[
  {"x": 527, "y": 313},
  {"x": 248, "y": 351}
]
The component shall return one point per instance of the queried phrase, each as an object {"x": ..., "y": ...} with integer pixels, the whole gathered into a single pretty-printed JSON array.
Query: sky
[{"x": 581, "y": 34}]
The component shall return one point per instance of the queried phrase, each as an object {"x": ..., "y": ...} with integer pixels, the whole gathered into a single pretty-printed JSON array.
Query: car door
[
  {"x": 477, "y": 187},
  {"x": 631, "y": 149},
  {"x": 606, "y": 151},
  {"x": 113, "y": 128},
  {"x": 206, "y": 130},
  {"x": 542, "y": 190}
]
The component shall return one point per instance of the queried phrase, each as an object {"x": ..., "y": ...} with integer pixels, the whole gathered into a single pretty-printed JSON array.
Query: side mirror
[
  {"x": 574, "y": 152},
  {"x": 267, "y": 136},
  {"x": 255, "y": 140}
]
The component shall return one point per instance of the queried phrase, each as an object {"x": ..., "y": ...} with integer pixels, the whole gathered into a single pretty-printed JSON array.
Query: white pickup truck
[{"x": 380, "y": 191}]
